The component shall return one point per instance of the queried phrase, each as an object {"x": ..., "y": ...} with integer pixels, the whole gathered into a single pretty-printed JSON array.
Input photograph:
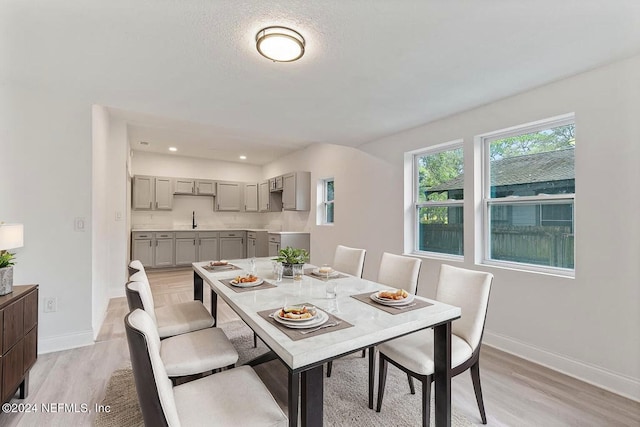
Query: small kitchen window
[{"x": 328, "y": 201}]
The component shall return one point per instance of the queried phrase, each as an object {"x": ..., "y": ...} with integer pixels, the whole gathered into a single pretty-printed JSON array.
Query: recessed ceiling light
[
  {"x": 173, "y": 149},
  {"x": 280, "y": 44},
  {"x": 243, "y": 157}
]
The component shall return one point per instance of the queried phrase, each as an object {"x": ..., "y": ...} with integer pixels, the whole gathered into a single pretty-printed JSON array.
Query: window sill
[{"x": 529, "y": 268}]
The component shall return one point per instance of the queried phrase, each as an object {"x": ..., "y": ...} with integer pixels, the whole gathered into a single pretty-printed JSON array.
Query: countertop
[{"x": 147, "y": 230}]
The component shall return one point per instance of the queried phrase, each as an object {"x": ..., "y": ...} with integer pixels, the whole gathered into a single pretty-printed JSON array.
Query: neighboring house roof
[{"x": 540, "y": 167}]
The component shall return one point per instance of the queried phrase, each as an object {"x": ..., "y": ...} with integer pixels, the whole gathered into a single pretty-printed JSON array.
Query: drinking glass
[
  {"x": 325, "y": 271},
  {"x": 279, "y": 270},
  {"x": 331, "y": 288},
  {"x": 298, "y": 272},
  {"x": 252, "y": 265}
]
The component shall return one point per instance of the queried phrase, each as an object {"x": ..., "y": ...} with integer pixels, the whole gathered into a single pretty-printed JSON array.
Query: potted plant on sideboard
[
  {"x": 6, "y": 272},
  {"x": 290, "y": 256}
]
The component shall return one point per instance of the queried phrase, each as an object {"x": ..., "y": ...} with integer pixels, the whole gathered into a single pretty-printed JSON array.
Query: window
[
  {"x": 438, "y": 200},
  {"x": 327, "y": 201},
  {"x": 529, "y": 191}
]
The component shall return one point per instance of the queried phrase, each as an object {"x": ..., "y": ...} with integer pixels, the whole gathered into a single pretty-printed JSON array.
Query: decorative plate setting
[
  {"x": 387, "y": 301},
  {"x": 238, "y": 284},
  {"x": 320, "y": 318},
  {"x": 317, "y": 272}
]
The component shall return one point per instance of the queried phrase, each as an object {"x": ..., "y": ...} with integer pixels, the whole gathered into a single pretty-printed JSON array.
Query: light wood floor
[{"x": 516, "y": 392}]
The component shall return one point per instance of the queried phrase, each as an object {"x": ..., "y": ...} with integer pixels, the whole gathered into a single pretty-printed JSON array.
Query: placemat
[
  {"x": 219, "y": 268},
  {"x": 308, "y": 272},
  {"x": 295, "y": 334},
  {"x": 365, "y": 298},
  {"x": 264, "y": 285}
]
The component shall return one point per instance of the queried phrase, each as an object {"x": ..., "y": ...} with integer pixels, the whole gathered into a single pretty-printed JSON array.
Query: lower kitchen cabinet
[
  {"x": 163, "y": 255},
  {"x": 232, "y": 244},
  {"x": 208, "y": 246},
  {"x": 142, "y": 247},
  {"x": 186, "y": 247}
]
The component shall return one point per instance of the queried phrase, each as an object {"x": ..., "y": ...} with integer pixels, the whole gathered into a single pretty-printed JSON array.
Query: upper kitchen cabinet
[
  {"x": 196, "y": 187},
  {"x": 296, "y": 189},
  {"x": 251, "y": 197},
  {"x": 275, "y": 184},
  {"x": 184, "y": 186},
  {"x": 152, "y": 193},
  {"x": 268, "y": 201},
  {"x": 228, "y": 196},
  {"x": 205, "y": 187}
]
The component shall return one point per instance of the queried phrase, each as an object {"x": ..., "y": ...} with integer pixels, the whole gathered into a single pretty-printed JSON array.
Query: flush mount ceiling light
[
  {"x": 280, "y": 44},
  {"x": 173, "y": 149},
  {"x": 243, "y": 157}
]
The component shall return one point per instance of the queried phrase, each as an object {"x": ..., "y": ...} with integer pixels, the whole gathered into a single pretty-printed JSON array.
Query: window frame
[
  {"x": 326, "y": 203},
  {"x": 416, "y": 205},
  {"x": 488, "y": 201}
]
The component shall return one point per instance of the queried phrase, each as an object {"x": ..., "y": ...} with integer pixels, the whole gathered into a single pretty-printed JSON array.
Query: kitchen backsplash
[{"x": 183, "y": 206}]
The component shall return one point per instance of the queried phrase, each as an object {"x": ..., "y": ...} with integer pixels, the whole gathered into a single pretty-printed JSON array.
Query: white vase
[{"x": 6, "y": 280}]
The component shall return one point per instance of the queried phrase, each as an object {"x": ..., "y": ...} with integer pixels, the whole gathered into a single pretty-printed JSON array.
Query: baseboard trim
[
  {"x": 603, "y": 378},
  {"x": 65, "y": 342}
]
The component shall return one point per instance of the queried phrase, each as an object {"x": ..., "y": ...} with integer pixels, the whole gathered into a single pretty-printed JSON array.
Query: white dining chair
[
  {"x": 413, "y": 353},
  {"x": 349, "y": 260},
  {"x": 172, "y": 319},
  {"x": 399, "y": 271},
  {"x": 235, "y": 397}
]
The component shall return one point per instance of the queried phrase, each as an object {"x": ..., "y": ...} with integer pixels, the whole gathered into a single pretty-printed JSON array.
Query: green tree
[
  {"x": 554, "y": 139},
  {"x": 438, "y": 168}
]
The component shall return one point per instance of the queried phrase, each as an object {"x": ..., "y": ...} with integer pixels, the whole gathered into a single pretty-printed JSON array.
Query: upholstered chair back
[
  {"x": 135, "y": 266},
  {"x": 349, "y": 260},
  {"x": 469, "y": 290},
  {"x": 154, "y": 388},
  {"x": 399, "y": 271},
  {"x": 146, "y": 297}
]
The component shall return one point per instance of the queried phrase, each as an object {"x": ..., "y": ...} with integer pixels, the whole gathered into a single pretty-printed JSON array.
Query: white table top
[{"x": 371, "y": 325}]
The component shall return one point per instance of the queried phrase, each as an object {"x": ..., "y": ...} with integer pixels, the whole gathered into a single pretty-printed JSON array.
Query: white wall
[
  {"x": 45, "y": 167},
  {"x": 589, "y": 326}
]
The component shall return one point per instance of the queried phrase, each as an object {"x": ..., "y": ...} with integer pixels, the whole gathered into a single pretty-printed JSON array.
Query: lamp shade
[{"x": 11, "y": 236}]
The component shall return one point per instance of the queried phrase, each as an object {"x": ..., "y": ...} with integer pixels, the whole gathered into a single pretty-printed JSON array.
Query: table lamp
[{"x": 11, "y": 237}]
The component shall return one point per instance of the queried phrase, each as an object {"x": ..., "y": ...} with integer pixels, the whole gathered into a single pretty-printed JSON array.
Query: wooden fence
[{"x": 551, "y": 246}]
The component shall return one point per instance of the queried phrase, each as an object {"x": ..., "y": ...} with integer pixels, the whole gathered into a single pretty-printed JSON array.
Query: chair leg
[
  {"x": 364, "y": 352},
  {"x": 382, "y": 379},
  {"x": 475, "y": 378},
  {"x": 426, "y": 402},
  {"x": 329, "y": 368},
  {"x": 411, "y": 386},
  {"x": 255, "y": 340}
]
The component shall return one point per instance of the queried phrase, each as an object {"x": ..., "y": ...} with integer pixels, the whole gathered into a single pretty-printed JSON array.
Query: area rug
[{"x": 345, "y": 394}]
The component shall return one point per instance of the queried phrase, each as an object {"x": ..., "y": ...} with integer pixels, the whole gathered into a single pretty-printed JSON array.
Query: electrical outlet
[{"x": 50, "y": 304}]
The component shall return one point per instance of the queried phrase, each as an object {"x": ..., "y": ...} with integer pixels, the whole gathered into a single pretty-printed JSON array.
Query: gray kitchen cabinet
[
  {"x": 208, "y": 246},
  {"x": 228, "y": 196},
  {"x": 232, "y": 244},
  {"x": 278, "y": 241},
  {"x": 275, "y": 184},
  {"x": 142, "y": 248},
  {"x": 186, "y": 247},
  {"x": 257, "y": 244},
  {"x": 296, "y": 191},
  {"x": 163, "y": 255},
  {"x": 251, "y": 197},
  {"x": 268, "y": 201},
  {"x": 152, "y": 193},
  {"x": 184, "y": 186},
  {"x": 205, "y": 187}
]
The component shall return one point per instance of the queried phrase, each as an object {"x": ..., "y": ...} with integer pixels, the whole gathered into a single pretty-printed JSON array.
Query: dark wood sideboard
[{"x": 18, "y": 340}]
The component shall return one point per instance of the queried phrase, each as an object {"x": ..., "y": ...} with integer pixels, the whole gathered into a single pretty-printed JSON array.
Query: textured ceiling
[{"x": 186, "y": 73}]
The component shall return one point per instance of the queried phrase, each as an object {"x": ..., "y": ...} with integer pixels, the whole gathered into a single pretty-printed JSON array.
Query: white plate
[
  {"x": 246, "y": 285},
  {"x": 308, "y": 319},
  {"x": 321, "y": 317},
  {"x": 316, "y": 272},
  {"x": 374, "y": 296}
]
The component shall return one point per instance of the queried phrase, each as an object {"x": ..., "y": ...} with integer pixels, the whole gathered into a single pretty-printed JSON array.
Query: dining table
[{"x": 359, "y": 325}]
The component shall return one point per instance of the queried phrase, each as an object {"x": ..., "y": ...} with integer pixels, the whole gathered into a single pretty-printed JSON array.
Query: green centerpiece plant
[{"x": 290, "y": 256}]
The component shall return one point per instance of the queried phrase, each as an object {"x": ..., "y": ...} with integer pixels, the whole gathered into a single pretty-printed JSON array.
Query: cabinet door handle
[
  {"x": 194, "y": 242},
  {"x": 150, "y": 205},
  {"x": 149, "y": 243}
]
